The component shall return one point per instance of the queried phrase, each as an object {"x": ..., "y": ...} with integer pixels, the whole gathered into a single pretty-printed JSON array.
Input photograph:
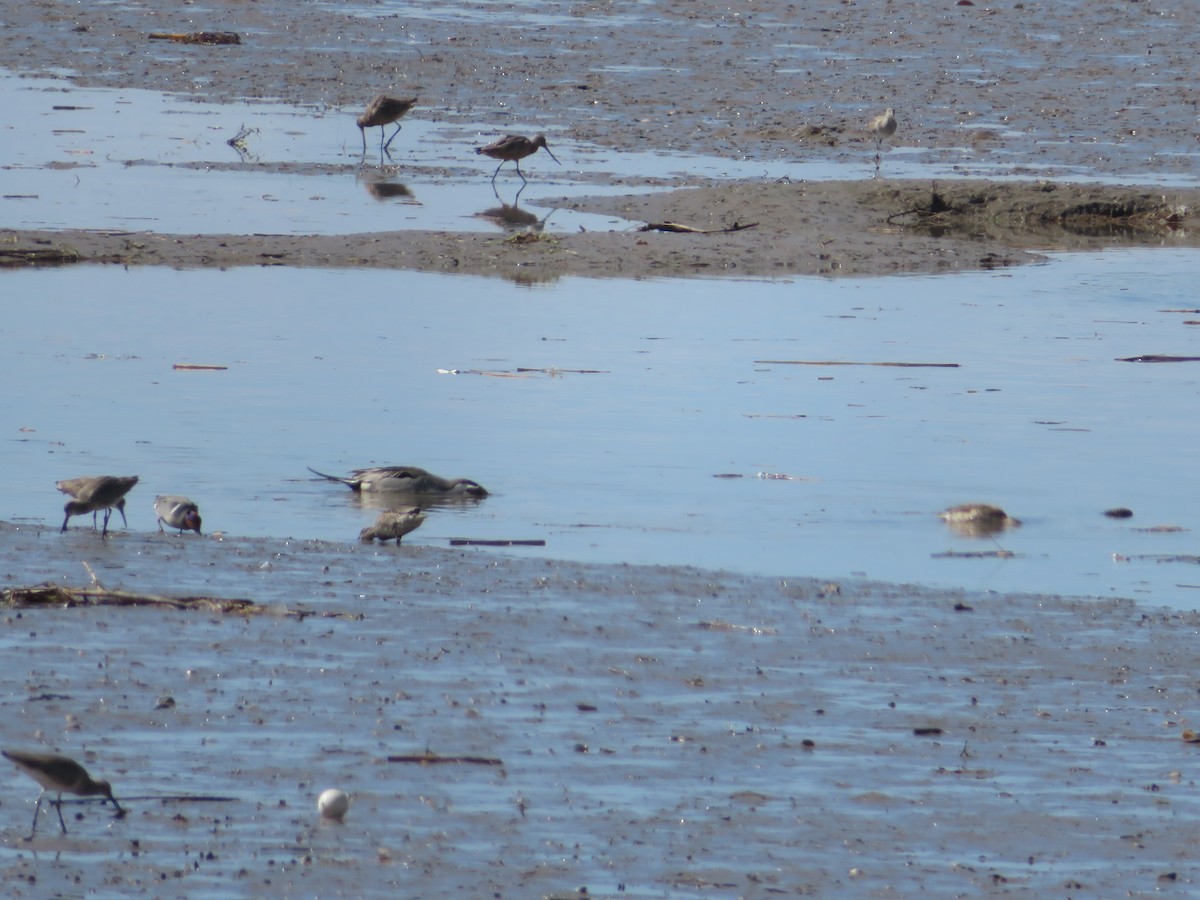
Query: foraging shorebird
[
  {"x": 977, "y": 519},
  {"x": 62, "y": 775},
  {"x": 392, "y": 524},
  {"x": 92, "y": 493},
  {"x": 178, "y": 512},
  {"x": 72, "y": 487},
  {"x": 514, "y": 148},
  {"x": 407, "y": 480},
  {"x": 882, "y": 127},
  {"x": 383, "y": 111}
]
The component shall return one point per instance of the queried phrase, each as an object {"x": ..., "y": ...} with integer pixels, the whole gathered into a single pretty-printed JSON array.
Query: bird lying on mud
[
  {"x": 407, "y": 480},
  {"x": 92, "y": 493},
  {"x": 178, "y": 512},
  {"x": 392, "y": 524}
]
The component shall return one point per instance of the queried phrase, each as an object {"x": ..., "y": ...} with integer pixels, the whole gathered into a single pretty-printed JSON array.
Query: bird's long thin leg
[
  {"x": 66, "y": 519},
  {"x": 363, "y": 132},
  {"x": 524, "y": 181},
  {"x": 107, "y": 513},
  {"x": 497, "y": 172},
  {"x": 393, "y": 137},
  {"x": 58, "y": 806},
  {"x": 37, "y": 808}
]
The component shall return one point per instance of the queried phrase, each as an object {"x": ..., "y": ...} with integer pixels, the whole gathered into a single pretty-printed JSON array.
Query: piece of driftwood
[
  {"x": 433, "y": 759},
  {"x": 483, "y": 542},
  {"x": 1159, "y": 557},
  {"x": 198, "y": 37},
  {"x": 676, "y": 228},
  {"x": 1156, "y": 358},
  {"x": 836, "y": 362},
  {"x": 198, "y": 367},
  {"x": 37, "y": 256},
  {"x": 974, "y": 554},
  {"x": 42, "y": 595}
]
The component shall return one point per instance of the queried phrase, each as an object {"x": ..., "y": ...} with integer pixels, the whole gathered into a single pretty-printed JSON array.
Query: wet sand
[{"x": 635, "y": 731}]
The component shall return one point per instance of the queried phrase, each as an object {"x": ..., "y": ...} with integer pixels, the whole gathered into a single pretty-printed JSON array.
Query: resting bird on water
[
  {"x": 978, "y": 519},
  {"x": 408, "y": 480},
  {"x": 383, "y": 111},
  {"x": 91, "y": 493},
  {"x": 178, "y": 512},
  {"x": 514, "y": 148}
]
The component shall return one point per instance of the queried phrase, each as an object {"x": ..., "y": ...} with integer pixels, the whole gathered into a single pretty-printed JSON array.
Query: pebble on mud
[{"x": 333, "y": 804}]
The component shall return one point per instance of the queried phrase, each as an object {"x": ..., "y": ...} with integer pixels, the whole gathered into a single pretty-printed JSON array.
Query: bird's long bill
[{"x": 552, "y": 156}]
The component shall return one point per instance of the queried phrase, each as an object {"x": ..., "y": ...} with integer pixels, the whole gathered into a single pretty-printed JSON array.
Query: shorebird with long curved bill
[
  {"x": 62, "y": 775},
  {"x": 514, "y": 148},
  {"x": 383, "y": 111}
]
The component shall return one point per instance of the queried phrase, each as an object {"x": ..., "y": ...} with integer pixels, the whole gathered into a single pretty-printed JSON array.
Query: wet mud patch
[{"x": 528, "y": 727}]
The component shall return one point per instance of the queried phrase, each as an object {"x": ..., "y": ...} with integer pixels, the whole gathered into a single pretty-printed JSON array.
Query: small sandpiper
[
  {"x": 178, "y": 512},
  {"x": 62, "y": 775},
  {"x": 882, "y": 127},
  {"x": 392, "y": 524}
]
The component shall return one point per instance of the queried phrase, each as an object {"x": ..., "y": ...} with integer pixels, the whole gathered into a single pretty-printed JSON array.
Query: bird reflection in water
[
  {"x": 511, "y": 217},
  {"x": 383, "y": 190}
]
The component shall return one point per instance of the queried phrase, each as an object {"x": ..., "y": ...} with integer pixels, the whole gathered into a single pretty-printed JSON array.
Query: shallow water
[
  {"x": 633, "y": 401},
  {"x": 146, "y": 161}
]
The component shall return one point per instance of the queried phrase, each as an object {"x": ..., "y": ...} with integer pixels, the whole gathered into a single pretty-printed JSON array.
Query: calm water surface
[{"x": 639, "y": 395}]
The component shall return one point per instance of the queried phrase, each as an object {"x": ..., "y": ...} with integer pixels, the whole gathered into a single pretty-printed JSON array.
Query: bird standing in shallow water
[
  {"x": 514, "y": 148},
  {"x": 95, "y": 492},
  {"x": 882, "y": 127},
  {"x": 178, "y": 512},
  {"x": 62, "y": 775},
  {"x": 383, "y": 111}
]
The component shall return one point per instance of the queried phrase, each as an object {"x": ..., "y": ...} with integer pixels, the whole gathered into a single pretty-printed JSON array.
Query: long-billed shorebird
[
  {"x": 383, "y": 111},
  {"x": 178, "y": 512},
  {"x": 92, "y": 493},
  {"x": 882, "y": 127},
  {"x": 514, "y": 148},
  {"x": 407, "y": 480},
  {"x": 62, "y": 775},
  {"x": 392, "y": 525}
]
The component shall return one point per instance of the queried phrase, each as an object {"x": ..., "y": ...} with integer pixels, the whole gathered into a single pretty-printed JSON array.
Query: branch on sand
[
  {"x": 676, "y": 228},
  {"x": 57, "y": 595}
]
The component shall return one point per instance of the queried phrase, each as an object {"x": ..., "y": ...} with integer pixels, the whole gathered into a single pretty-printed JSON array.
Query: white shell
[{"x": 333, "y": 804}]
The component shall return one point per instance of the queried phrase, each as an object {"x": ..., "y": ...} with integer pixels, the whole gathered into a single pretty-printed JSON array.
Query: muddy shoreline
[
  {"x": 652, "y": 728},
  {"x": 824, "y": 228}
]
